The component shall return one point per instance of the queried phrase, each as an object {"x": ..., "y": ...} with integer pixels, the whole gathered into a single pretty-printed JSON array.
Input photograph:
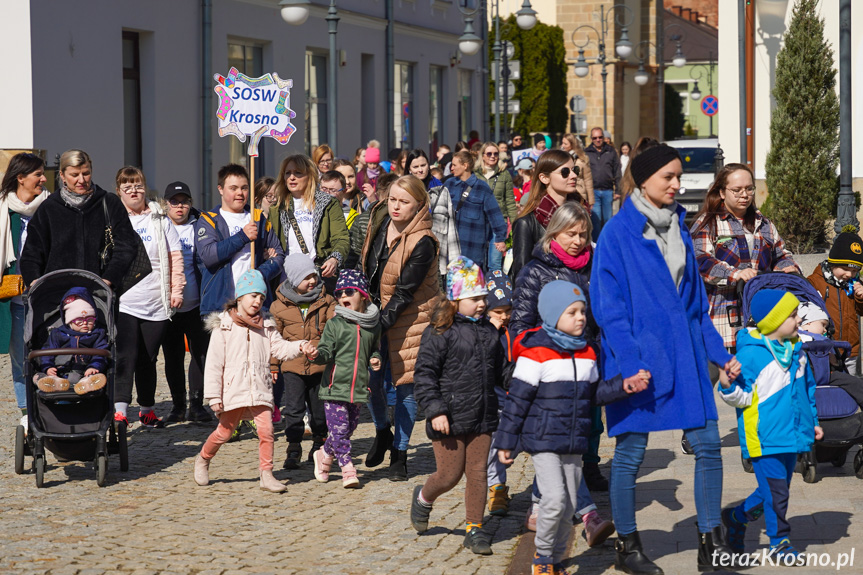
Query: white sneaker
[{"x": 23, "y": 423}]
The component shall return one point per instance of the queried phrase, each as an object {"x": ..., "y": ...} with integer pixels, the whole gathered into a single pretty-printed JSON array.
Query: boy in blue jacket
[{"x": 776, "y": 417}]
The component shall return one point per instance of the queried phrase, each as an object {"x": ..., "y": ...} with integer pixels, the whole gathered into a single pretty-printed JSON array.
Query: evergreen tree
[
  {"x": 804, "y": 133},
  {"x": 674, "y": 118}
]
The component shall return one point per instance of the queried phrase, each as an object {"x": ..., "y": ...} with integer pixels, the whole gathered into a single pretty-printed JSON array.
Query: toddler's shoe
[
  {"x": 349, "y": 477},
  {"x": 735, "y": 531},
  {"x": 785, "y": 554},
  {"x": 498, "y": 499},
  {"x": 307, "y": 431},
  {"x": 149, "y": 419},
  {"x": 419, "y": 512},
  {"x": 322, "y": 465},
  {"x": 478, "y": 541},
  {"x": 530, "y": 517},
  {"x": 93, "y": 383},
  {"x": 270, "y": 483},
  {"x": 277, "y": 416},
  {"x": 295, "y": 454},
  {"x": 542, "y": 565},
  {"x": 201, "y": 470},
  {"x": 596, "y": 529},
  {"x": 52, "y": 384}
]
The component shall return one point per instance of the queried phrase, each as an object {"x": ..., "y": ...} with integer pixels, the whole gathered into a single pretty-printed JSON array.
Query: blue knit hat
[
  {"x": 499, "y": 290},
  {"x": 555, "y": 297},
  {"x": 250, "y": 282},
  {"x": 353, "y": 279},
  {"x": 464, "y": 279},
  {"x": 770, "y": 307}
]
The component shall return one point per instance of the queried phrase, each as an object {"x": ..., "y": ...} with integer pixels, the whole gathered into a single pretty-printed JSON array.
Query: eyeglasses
[
  {"x": 133, "y": 189},
  {"x": 597, "y": 138},
  {"x": 741, "y": 192},
  {"x": 175, "y": 202},
  {"x": 492, "y": 154},
  {"x": 332, "y": 190},
  {"x": 327, "y": 162},
  {"x": 564, "y": 172},
  {"x": 347, "y": 291},
  {"x": 79, "y": 321}
]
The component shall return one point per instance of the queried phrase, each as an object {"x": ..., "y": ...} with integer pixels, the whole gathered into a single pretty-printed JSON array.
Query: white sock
[
  {"x": 121, "y": 407},
  {"x": 146, "y": 409},
  {"x": 422, "y": 500}
]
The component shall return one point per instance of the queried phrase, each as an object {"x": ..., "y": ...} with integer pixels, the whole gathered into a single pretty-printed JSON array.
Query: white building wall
[{"x": 16, "y": 100}]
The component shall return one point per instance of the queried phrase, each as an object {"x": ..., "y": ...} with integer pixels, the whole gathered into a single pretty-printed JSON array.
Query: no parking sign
[{"x": 710, "y": 105}]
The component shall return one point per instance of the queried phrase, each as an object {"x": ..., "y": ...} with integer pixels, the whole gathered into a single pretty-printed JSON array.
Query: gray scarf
[
  {"x": 74, "y": 200},
  {"x": 308, "y": 297},
  {"x": 663, "y": 227},
  {"x": 368, "y": 319}
]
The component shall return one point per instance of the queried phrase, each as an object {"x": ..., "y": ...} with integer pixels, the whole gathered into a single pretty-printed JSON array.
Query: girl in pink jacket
[{"x": 237, "y": 380}]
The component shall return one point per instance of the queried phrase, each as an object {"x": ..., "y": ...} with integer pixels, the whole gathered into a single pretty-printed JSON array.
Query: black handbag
[{"x": 140, "y": 266}]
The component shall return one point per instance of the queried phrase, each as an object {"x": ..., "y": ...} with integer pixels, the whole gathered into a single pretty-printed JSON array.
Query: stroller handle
[{"x": 65, "y": 351}]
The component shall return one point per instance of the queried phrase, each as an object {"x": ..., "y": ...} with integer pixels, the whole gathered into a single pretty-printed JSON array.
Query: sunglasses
[
  {"x": 564, "y": 172},
  {"x": 347, "y": 291},
  {"x": 492, "y": 154},
  {"x": 79, "y": 321},
  {"x": 175, "y": 202},
  {"x": 597, "y": 138}
]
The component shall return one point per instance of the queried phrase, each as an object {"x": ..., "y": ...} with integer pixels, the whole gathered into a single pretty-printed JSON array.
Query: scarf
[
  {"x": 308, "y": 297},
  {"x": 663, "y": 227},
  {"x": 373, "y": 173},
  {"x": 368, "y": 319},
  {"x": 11, "y": 202},
  {"x": 467, "y": 317},
  {"x": 564, "y": 340},
  {"x": 845, "y": 285},
  {"x": 574, "y": 263},
  {"x": 74, "y": 200},
  {"x": 546, "y": 208},
  {"x": 782, "y": 352},
  {"x": 256, "y": 322}
]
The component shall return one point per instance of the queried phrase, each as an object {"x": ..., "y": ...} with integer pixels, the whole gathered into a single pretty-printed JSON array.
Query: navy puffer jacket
[
  {"x": 548, "y": 408},
  {"x": 541, "y": 269},
  {"x": 456, "y": 374}
]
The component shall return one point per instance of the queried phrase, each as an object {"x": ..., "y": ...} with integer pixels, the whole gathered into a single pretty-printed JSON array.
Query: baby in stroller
[{"x": 79, "y": 330}]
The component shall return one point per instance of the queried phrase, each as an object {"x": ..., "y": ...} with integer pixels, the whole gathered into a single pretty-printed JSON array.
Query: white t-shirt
[
  {"x": 242, "y": 260},
  {"x": 144, "y": 301},
  {"x": 191, "y": 293},
  {"x": 307, "y": 227},
  {"x": 25, "y": 221}
]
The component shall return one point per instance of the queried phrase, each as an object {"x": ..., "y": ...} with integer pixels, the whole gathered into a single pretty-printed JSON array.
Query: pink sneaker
[
  {"x": 596, "y": 528},
  {"x": 277, "y": 415},
  {"x": 322, "y": 465}
]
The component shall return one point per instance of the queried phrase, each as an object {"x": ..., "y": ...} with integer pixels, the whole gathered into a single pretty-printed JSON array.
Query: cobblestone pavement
[{"x": 154, "y": 519}]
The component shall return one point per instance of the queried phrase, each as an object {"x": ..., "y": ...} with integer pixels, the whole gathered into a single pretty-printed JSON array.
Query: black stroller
[
  {"x": 838, "y": 413},
  {"x": 73, "y": 427}
]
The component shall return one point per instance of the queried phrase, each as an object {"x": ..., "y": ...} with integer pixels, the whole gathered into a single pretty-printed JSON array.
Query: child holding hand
[
  {"x": 237, "y": 379},
  {"x": 348, "y": 346},
  {"x": 776, "y": 417}
]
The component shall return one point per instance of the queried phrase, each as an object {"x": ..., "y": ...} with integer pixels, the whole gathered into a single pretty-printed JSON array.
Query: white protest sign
[{"x": 254, "y": 108}]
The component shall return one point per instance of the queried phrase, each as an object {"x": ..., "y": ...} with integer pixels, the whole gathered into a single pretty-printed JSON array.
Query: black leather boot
[
  {"x": 399, "y": 466},
  {"x": 714, "y": 554},
  {"x": 630, "y": 557},
  {"x": 383, "y": 441},
  {"x": 197, "y": 411},
  {"x": 178, "y": 414}
]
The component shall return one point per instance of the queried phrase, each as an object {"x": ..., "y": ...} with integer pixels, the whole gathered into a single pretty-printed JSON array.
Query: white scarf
[{"x": 8, "y": 202}]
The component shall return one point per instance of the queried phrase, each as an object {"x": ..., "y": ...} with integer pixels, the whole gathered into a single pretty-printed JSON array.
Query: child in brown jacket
[{"x": 301, "y": 310}]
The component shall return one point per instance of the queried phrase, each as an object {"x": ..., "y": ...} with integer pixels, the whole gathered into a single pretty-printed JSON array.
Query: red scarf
[{"x": 574, "y": 263}]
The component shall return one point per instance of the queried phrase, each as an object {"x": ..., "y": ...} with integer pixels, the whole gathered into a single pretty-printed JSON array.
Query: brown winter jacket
[
  {"x": 843, "y": 310},
  {"x": 292, "y": 326},
  {"x": 405, "y": 333}
]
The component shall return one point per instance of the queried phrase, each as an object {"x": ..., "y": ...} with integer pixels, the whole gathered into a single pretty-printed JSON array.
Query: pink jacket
[{"x": 237, "y": 371}]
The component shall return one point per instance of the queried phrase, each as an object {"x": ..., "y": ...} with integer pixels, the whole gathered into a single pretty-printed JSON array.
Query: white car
[{"x": 698, "y": 158}]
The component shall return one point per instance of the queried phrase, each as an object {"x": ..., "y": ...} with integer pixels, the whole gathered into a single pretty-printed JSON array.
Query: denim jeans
[
  {"x": 16, "y": 353},
  {"x": 377, "y": 389},
  {"x": 495, "y": 259},
  {"x": 406, "y": 415},
  {"x": 628, "y": 456},
  {"x": 602, "y": 208}
]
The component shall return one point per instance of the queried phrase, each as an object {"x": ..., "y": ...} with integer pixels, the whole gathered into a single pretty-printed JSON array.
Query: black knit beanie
[
  {"x": 847, "y": 250},
  {"x": 651, "y": 161}
]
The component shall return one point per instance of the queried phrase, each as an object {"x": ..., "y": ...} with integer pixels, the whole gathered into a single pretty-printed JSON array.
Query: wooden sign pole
[{"x": 252, "y": 203}]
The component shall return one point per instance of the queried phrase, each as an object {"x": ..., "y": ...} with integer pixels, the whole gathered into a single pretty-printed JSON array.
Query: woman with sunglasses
[
  {"x": 146, "y": 308},
  {"x": 554, "y": 182},
  {"x": 733, "y": 243},
  {"x": 493, "y": 171},
  {"x": 572, "y": 144},
  {"x": 21, "y": 192}
]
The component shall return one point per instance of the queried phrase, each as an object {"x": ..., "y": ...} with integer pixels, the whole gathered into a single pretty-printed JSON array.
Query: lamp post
[
  {"x": 696, "y": 93},
  {"x": 623, "y": 48},
  {"x": 296, "y": 12},
  {"x": 642, "y": 75},
  {"x": 846, "y": 209},
  {"x": 469, "y": 43}
]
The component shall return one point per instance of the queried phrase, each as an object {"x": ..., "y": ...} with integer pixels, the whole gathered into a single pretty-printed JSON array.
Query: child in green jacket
[{"x": 348, "y": 347}]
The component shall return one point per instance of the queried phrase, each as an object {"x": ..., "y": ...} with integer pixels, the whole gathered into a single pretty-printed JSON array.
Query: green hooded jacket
[{"x": 346, "y": 349}]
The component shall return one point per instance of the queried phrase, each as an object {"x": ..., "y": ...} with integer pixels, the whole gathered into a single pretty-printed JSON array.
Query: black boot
[
  {"x": 383, "y": 441},
  {"x": 419, "y": 512},
  {"x": 714, "y": 554},
  {"x": 317, "y": 443},
  {"x": 594, "y": 478},
  {"x": 478, "y": 541},
  {"x": 178, "y": 414},
  {"x": 197, "y": 411},
  {"x": 399, "y": 466},
  {"x": 295, "y": 454},
  {"x": 630, "y": 557}
]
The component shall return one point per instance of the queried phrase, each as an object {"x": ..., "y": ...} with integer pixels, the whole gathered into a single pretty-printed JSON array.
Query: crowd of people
[{"x": 489, "y": 289}]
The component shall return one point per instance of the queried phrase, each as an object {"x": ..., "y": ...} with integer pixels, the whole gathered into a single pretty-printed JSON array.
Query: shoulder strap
[
  {"x": 296, "y": 227},
  {"x": 105, "y": 209},
  {"x": 464, "y": 196}
]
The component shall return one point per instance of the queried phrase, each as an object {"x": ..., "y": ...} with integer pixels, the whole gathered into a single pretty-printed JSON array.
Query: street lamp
[
  {"x": 623, "y": 48},
  {"x": 641, "y": 76},
  {"x": 295, "y": 12},
  {"x": 526, "y": 17}
]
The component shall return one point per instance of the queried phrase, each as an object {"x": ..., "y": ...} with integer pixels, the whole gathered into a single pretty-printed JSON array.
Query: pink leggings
[{"x": 228, "y": 422}]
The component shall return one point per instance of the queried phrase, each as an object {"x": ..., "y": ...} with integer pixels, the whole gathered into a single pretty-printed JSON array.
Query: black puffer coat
[
  {"x": 456, "y": 373},
  {"x": 544, "y": 268}
]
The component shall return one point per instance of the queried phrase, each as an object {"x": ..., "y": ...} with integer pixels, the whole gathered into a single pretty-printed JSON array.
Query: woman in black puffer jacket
[{"x": 459, "y": 363}]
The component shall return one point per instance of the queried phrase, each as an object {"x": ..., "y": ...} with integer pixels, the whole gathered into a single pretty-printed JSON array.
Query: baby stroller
[
  {"x": 838, "y": 413},
  {"x": 73, "y": 427}
]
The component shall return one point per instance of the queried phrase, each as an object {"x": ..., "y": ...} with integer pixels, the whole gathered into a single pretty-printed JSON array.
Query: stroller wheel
[
  {"x": 39, "y": 467},
  {"x": 747, "y": 464},
  {"x": 858, "y": 464},
  {"x": 810, "y": 471},
  {"x": 122, "y": 446},
  {"x": 101, "y": 469},
  {"x": 20, "y": 442}
]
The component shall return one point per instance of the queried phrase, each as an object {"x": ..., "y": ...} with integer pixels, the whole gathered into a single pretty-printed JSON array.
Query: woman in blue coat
[{"x": 657, "y": 337}]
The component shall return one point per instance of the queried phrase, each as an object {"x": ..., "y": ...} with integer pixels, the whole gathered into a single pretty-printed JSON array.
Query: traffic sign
[
  {"x": 510, "y": 89},
  {"x": 710, "y": 105},
  {"x": 577, "y": 104}
]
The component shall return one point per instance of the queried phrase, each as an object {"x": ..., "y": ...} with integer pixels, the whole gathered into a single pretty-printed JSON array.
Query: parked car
[{"x": 698, "y": 158}]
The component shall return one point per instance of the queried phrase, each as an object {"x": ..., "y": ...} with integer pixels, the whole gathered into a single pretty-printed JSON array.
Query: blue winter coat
[
  {"x": 775, "y": 408},
  {"x": 646, "y": 322},
  {"x": 214, "y": 249},
  {"x": 548, "y": 408}
]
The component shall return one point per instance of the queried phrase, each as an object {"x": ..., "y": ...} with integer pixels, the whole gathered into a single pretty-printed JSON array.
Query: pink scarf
[{"x": 572, "y": 262}]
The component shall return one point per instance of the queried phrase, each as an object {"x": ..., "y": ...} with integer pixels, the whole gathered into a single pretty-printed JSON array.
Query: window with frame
[
  {"x": 316, "y": 100},
  {"x": 465, "y": 104},
  {"x": 132, "y": 154},
  {"x": 248, "y": 59},
  {"x": 435, "y": 109},
  {"x": 403, "y": 111}
]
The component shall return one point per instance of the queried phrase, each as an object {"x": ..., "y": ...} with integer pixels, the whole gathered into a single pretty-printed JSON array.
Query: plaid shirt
[
  {"x": 478, "y": 220},
  {"x": 725, "y": 252}
]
